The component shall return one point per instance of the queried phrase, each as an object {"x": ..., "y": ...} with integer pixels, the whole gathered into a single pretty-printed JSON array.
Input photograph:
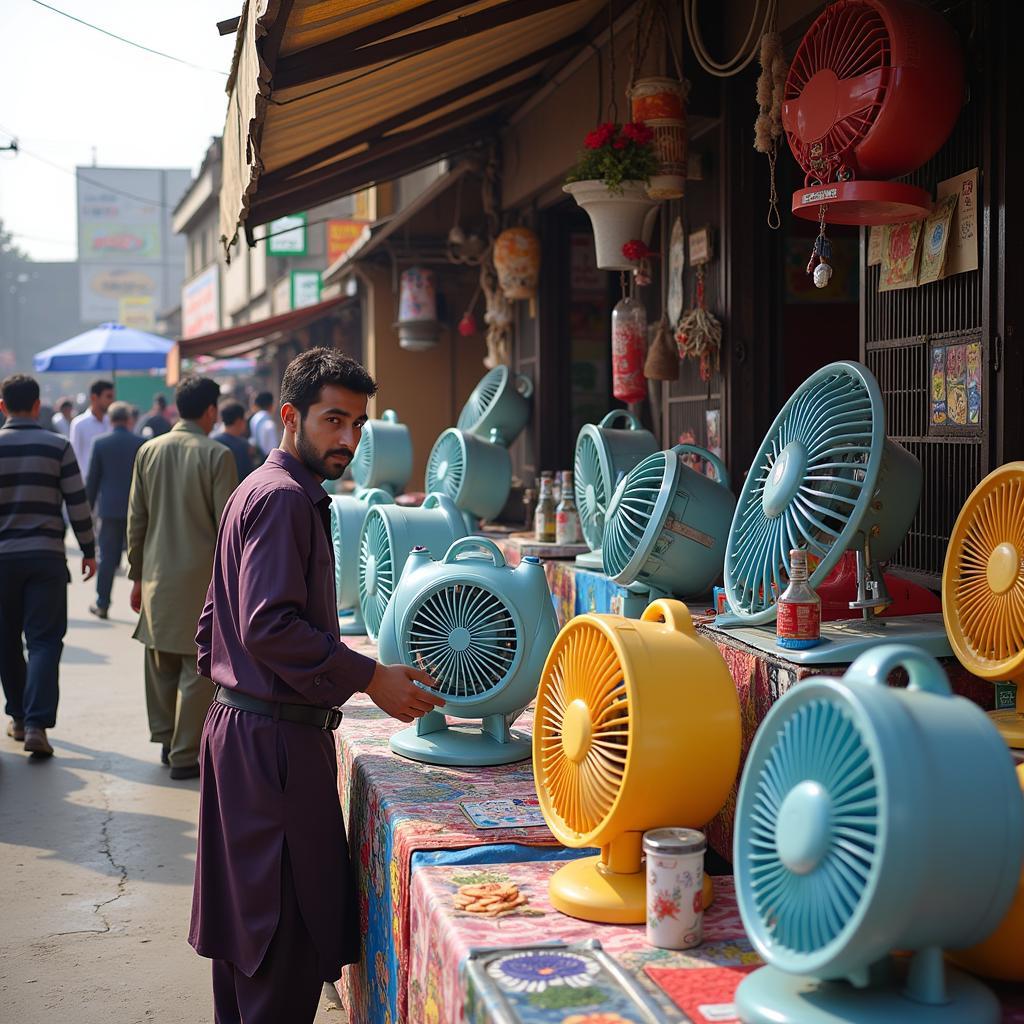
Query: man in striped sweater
[{"x": 38, "y": 473}]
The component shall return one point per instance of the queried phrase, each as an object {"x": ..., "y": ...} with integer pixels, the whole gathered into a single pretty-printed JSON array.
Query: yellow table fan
[
  {"x": 637, "y": 726},
  {"x": 983, "y": 588}
]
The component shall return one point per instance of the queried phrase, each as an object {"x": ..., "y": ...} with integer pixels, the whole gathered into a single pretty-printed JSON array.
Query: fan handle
[
  {"x": 389, "y": 416},
  {"x": 524, "y": 385},
  {"x": 721, "y": 473},
  {"x": 924, "y": 671},
  {"x": 610, "y": 418},
  {"x": 673, "y": 613},
  {"x": 477, "y": 544}
]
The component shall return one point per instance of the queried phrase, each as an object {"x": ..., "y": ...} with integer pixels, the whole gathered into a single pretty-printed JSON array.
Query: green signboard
[
  {"x": 305, "y": 290},
  {"x": 287, "y": 236}
]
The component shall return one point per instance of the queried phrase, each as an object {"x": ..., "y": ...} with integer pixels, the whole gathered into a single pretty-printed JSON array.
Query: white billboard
[{"x": 200, "y": 303}]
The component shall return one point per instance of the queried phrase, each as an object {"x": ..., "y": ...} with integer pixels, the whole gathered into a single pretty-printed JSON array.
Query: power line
[{"x": 130, "y": 42}]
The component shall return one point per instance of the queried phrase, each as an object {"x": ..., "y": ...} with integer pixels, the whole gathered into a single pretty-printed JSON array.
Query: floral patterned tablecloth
[{"x": 442, "y": 936}]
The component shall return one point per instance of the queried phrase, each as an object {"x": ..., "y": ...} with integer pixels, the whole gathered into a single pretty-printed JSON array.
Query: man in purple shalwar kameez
[{"x": 273, "y": 905}]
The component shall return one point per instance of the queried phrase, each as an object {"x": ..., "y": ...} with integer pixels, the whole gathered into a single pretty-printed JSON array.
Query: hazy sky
[{"x": 65, "y": 89}]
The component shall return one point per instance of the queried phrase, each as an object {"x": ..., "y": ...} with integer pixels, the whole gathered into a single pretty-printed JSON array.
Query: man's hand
[
  {"x": 88, "y": 569},
  {"x": 394, "y": 691},
  {"x": 136, "y": 598}
]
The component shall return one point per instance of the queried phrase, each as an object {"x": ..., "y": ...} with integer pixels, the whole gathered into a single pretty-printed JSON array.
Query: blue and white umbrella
[{"x": 107, "y": 347}]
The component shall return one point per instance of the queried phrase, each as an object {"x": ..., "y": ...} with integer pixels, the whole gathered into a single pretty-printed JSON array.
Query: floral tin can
[{"x": 675, "y": 887}]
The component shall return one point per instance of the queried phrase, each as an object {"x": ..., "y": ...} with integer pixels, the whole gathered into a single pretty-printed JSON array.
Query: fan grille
[
  {"x": 362, "y": 460},
  {"x": 482, "y": 398},
  {"x": 464, "y": 636},
  {"x": 988, "y": 590},
  {"x": 850, "y": 40},
  {"x": 819, "y": 448},
  {"x": 583, "y": 684},
  {"x": 805, "y": 910},
  {"x": 591, "y": 490},
  {"x": 336, "y": 515},
  {"x": 631, "y": 510},
  {"x": 376, "y": 570},
  {"x": 446, "y": 467}
]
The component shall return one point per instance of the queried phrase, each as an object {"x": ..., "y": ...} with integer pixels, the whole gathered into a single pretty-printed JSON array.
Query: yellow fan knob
[
  {"x": 577, "y": 730},
  {"x": 1003, "y": 567}
]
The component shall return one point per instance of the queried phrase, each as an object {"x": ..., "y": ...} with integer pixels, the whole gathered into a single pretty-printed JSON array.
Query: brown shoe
[
  {"x": 36, "y": 742},
  {"x": 16, "y": 729}
]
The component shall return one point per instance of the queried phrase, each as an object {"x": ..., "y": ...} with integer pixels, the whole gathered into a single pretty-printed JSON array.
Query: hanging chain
[
  {"x": 774, "y": 219},
  {"x": 613, "y": 106}
]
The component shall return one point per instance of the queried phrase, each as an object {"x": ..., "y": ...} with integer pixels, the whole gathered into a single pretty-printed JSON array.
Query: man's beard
[{"x": 316, "y": 462}]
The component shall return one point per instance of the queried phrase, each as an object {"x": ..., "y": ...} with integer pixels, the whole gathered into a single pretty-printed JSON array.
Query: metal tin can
[{"x": 675, "y": 887}]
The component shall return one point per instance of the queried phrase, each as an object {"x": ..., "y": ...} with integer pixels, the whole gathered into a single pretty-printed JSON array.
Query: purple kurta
[{"x": 270, "y": 630}]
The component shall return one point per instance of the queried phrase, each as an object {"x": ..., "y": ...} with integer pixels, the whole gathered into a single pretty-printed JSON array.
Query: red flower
[
  {"x": 600, "y": 136},
  {"x": 638, "y": 132},
  {"x": 635, "y": 250}
]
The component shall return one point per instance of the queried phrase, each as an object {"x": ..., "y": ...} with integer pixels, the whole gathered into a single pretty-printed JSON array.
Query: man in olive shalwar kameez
[
  {"x": 180, "y": 483},
  {"x": 273, "y": 904}
]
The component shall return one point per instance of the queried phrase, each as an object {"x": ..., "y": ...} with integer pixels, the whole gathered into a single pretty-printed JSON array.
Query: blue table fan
[
  {"x": 389, "y": 533},
  {"x": 347, "y": 516},
  {"x": 483, "y": 630},
  {"x": 605, "y": 453},
  {"x": 500, "y": 401},
  {"x": 476, "y": 474},
  {"x": 383, "y": 457},
  {"x": 826, "y": 479},
  {"x": 872, "y": 819},
  {"x": 666, "y": 525}
]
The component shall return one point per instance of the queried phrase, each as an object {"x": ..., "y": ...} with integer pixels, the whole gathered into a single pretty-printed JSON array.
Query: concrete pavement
[{"x": 97, "y": 851}]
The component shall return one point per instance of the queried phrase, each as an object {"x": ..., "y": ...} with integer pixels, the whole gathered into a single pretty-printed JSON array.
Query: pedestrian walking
[
  {"x": 89, "y": 425},
  {"x": 273, "y": 904},
  {"x": 38, "y": 474},
  {"x": 60, "y": 422},
  {"x": 179, "y": 486},
  {"x": 155, "y": 422},
  {"x": 107, "y": 487},
  {"x": 235, "y": 436},
  {"x": 263, "y": 428}
]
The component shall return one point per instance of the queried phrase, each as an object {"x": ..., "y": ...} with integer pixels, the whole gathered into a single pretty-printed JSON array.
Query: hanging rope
[
  {"x": 771, "y": 90},
  {"x": 497, "y": 309},
  {"x": 613, "y": 106},
  {"x": 762, "y": 19}
]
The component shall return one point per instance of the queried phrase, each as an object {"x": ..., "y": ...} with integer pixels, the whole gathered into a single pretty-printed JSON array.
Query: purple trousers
[{"x": 285, "y": 989}]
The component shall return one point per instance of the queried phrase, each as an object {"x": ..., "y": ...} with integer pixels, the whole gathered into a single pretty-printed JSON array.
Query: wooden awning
[{"x": 330, "y": 96}]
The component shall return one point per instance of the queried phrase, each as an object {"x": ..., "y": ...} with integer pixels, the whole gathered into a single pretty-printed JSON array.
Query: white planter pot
[
  {"x": 667, "y": 186},
  {"x": 616, "y": 218}
]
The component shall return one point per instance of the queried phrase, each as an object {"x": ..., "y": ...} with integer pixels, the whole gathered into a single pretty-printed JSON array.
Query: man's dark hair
[
  {"x": 309, "y": 373},
  {"x": 97, "y": 387},
  {"x": 160, "y": 401},
  {"x": 65, "y": 403},
  {"x": 231, "y": 412},
  {"x": 195, "y": 395},
  {"x": 263, "y": 400},
  {"x": 19, "y": 392}
]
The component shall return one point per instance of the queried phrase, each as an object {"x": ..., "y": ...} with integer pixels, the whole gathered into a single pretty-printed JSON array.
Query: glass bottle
[
  {"x": 629, "y": 347},
  {"x": 544, "y": 517},
  {"x": 798, "y": 624},
  {"x": 567, "y": 518}
]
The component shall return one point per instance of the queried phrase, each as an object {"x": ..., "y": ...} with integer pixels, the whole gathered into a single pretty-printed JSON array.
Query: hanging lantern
[
  {"x": 467, "y": 325},
  {"x": 417, "y": 310},
  {"x": 629, "y": 346},
  {"x": 517, "y": 260},
  {"x": 660, "y": 103},
  {"x": 657, "y": 97}
]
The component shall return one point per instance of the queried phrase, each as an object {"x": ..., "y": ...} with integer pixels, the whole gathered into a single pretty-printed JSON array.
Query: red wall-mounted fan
[{"x": 873, "y": 92}]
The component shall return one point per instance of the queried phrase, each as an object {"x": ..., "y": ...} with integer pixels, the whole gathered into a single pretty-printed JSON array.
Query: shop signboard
[
  {"x": 137, "y": 311},
  {"x": 341, "y": 236},
  {"x": 305, "y": 288},
  {"x": 102, "y": 286},
  {"x": 286, "y": 236},
  {"x": 200, "y": 303}
]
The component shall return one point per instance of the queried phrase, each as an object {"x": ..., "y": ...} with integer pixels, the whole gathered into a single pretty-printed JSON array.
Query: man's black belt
[{"x": 321, "y": 718}]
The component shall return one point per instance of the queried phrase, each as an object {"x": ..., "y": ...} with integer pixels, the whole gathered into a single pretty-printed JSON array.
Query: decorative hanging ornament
[
  {"x": 638, "y": 253},
  {"x": 662, "y": 361},
  {"x": 417, "y": 310},
  {"x": 467, "y": 325},
  {"x": 819, "y": 265},
  {"x": 517, "y": 261},
  {"x": 629, "y": 345},
  {"x": 768, "y": 129},
  {"x": 700, "y": 332}
]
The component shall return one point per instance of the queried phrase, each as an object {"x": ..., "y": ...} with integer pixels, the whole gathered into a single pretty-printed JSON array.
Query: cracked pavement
[{"x": 97, "y": 850}]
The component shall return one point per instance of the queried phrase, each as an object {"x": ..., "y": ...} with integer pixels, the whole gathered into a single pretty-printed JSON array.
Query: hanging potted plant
[{"x": 610, "y": 182}]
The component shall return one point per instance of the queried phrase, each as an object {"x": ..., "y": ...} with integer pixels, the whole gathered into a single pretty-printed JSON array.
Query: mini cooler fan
[
  {"x": 983, "y": 588},
  {"x": 500, "y": 401},
  {"x": 383, "y": 457},
  {"x": 605, "y": 452},
  {"x": 637, "y": 726},
  {"x": 873, "y": 91},
  {"x": 826, "y": 479},
  {"x": 482, "y": 630},
  {"x": 666, "y": 524},
  {"x": 347, "y": 516},
  {"x": 389, "y": 533},
  {"x": 476, "y": 474},
  {"x": 872, "y": 819}
]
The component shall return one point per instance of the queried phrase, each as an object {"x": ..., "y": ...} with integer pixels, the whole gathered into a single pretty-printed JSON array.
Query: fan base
[
  {"x": 351, "y": 623},
  {"x": 585, "y": 890},
  {"x": 770, "y": 996},
  {"x": 467, "y": 746},
  {"x": 863, "y": 202},
  {"x": 592, "y": 560},
  {"x": 1010, "y": 725}
]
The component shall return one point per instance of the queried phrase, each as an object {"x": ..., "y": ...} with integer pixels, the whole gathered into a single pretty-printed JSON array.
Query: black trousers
[
  {"x": 287, "y": 984},
  {"x": 33, "y": 603},
  {"x": 111, "y": 544}
]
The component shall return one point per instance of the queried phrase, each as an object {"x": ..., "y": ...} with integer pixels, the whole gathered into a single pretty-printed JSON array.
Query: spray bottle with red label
[{"x": 799, "y": 608}]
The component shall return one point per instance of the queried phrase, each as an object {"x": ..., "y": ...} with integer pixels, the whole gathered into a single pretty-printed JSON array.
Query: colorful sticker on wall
[
  {"x": 956, "y": 386},
  {"x": 938, "y": 391},
  {"x": 974, "y": 384}
]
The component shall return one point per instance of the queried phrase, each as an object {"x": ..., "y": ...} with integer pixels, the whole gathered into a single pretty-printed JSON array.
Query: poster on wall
[
  {"x": 935, "y": 240},
  {"x": 956, "y": 385},
  {"x": 963, "y": 231},
  {"x": 901, "y": 253}
]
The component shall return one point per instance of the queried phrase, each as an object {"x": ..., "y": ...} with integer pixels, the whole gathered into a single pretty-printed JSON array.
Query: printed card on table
[{"x": 514, "y": 813}]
